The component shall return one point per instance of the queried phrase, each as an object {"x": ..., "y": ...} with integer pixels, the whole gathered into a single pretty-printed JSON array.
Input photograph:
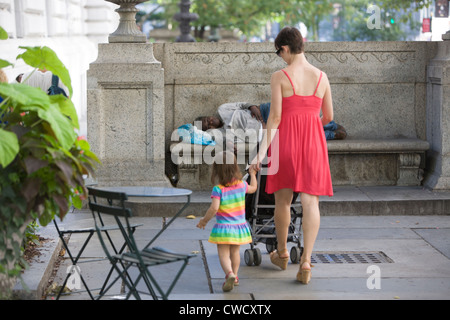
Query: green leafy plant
[{"x": 43, "y": 161}]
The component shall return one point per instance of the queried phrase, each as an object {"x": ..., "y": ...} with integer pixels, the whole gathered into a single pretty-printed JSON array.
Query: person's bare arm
[
  {"x": 215, "y": 204},
  {"x": 252, "y": 187},
  {"x": 327, "y": 103},
  {"x": 274, "y": 118}
]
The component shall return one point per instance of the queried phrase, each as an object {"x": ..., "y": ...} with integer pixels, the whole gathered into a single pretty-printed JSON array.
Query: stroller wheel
[
  {"x": 252, "y": 257},
  {"x": 257, "y": 256},
  {"x": 248, "y": 257},
  {"x": 271, "y": 245},
  {"x": 296, "y": 254}
]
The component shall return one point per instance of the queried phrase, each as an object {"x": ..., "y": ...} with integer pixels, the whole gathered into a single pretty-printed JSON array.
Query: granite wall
[
  {"x": 379, "y": 95},
  {"x": 379, "y": 88}
]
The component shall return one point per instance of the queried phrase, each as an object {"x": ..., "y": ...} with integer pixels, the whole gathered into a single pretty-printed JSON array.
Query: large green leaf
[
  {"x": 3, "y": 34},
  {"x": 67, "y": 108},
  {"x": 9, "y": 147},
  {"x": 59, "y": 123},
  {"x": 61, "y": 126},
  {"x": 4, "y": 63},
  {"x": 46, "y": 59},
  {"x": 22, "y": 94}
]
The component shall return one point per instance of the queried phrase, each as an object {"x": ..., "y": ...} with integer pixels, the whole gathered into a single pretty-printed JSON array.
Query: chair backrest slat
[
  {"x": 111, "y": 195},
  {"x": 112, "y": 210}
]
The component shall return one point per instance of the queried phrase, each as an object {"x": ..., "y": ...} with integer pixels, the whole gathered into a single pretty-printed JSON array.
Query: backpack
[{"x": 54, "y": 89}]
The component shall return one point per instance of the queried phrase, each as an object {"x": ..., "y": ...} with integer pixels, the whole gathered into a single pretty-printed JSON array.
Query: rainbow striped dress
[{"x": 231, "y": 226}]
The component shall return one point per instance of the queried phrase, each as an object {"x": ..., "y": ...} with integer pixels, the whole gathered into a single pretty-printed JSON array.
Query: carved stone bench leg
[{"x": 410, "y": 172}]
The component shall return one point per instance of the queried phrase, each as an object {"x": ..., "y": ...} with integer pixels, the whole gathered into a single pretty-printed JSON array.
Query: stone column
[
  {"x": 438, "y": 118},
  {"x": 125, "y": 112}
]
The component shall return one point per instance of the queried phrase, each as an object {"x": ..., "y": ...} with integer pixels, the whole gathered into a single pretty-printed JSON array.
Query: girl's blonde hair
[{"x": 225, "y": 168}]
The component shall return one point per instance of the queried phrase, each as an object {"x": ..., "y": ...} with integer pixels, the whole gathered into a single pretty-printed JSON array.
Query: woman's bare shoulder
[
  {"x": 277, "y": 75},
  {"x": 324, "y": 77}
]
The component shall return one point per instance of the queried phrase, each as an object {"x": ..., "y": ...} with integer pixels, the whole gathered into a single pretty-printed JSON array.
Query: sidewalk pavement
[{"x": 416, "y": 248}]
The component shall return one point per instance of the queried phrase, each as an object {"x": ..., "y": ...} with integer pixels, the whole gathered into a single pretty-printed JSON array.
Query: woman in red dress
[{"x": 298, "y": 150}]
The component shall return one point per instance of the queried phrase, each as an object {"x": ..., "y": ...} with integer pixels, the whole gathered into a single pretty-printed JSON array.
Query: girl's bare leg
[
  {"x": 224, "y": 257},
  {"x": 235, "y": 258}
]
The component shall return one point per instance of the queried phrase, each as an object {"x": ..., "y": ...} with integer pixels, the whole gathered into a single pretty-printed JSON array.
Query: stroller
[{"x": 259, "y": 212}]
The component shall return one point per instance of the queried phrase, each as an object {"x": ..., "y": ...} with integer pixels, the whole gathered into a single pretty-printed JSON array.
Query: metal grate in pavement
[{"x": 350, "y": 257}]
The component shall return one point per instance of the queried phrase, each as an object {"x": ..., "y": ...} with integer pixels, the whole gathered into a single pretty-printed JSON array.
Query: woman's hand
[{"x": 255, "y": 166}]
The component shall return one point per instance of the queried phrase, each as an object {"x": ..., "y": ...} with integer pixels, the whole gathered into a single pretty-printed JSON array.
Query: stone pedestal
[
  {"x": 438, "y": 118},
  {"x": 125, "y": 112}
]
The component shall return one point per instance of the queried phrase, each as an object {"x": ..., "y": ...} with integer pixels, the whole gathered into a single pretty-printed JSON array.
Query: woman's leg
[
  {"x": 282, "y": 218},
  {"x": 311, "y": 224}
]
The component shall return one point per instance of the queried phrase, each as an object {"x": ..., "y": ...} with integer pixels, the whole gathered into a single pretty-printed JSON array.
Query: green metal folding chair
[
  {"x": 89, "y": 231},
  {"x": 142, "y": 259}
]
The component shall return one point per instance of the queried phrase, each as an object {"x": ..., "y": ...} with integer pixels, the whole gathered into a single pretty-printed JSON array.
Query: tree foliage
[
  {"x": 249, "y": 16},
  {"x": 353, "y": 18}
]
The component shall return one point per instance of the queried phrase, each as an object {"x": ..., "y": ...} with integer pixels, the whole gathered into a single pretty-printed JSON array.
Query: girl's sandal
[
  {"x": 228, "y": 285},
  {"x": 304, "y": 274},
  {"x": 277, "y": 260}
]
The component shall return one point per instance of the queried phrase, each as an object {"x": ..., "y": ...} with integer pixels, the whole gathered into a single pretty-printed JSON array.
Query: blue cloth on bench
[{"x": 190, "y": 133}]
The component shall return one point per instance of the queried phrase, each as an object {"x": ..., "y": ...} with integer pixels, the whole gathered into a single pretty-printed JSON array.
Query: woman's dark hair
[{"x": 290, "y": 36}]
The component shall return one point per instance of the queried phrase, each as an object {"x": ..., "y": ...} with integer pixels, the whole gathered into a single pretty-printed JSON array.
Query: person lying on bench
[{"x": 244, "y": 116}]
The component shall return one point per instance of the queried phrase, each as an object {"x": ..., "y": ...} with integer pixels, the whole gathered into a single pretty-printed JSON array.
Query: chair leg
[
  {"x": 148, "y": 282},
  {"x": 121, "y": 276},
  {"x": 176, "y": 279},
  {"x": 112, "y": 267},
  {"x": 151, "y": 282},
  {"x": 74, "y": 261}
]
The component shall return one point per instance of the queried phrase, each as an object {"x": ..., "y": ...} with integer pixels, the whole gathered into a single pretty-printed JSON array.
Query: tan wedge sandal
[
  {"x": 277, "y": 260},
  {"x": 304, "y": 274}
]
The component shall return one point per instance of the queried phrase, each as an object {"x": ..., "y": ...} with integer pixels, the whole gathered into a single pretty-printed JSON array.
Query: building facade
[{"x": 72, "y": 28}]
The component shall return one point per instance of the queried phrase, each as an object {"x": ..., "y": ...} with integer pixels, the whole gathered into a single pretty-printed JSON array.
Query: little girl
[{"x": 228, "y": 204}]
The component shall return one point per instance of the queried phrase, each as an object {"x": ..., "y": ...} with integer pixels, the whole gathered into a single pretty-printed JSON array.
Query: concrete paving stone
[
  {"x": 193, "y": 280},
  {"x": 339, "y": 289},
  {"x": 439, "y": 238},
  {"x": 391, "y": 221},
  {"x": 212, "y": 296},
  {"x": 94, "y": 274},
  {"x": 365, "y": 233},
  {"x": 418, "y": 246}
]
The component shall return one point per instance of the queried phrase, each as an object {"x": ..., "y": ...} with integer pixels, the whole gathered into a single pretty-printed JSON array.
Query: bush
[{"x": 43, "y": 162}]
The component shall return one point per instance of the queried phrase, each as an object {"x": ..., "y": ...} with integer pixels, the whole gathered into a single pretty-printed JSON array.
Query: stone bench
[
  {"x": 387, "y": 162},
  {"x": 380, "y": 162}
]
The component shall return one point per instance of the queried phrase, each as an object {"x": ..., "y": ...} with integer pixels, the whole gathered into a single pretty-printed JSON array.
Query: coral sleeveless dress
[{"x": 302, "y": 163}]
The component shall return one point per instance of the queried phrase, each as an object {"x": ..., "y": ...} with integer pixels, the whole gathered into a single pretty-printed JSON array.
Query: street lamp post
[{"x": 185, "y": 18}]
